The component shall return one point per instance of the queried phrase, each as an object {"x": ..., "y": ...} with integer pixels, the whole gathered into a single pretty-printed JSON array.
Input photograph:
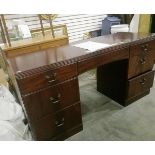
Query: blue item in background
[{"x": 107, "y": 23}]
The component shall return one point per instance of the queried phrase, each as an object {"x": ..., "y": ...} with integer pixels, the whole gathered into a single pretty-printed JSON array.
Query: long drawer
[
  {"x": 141, "y": 59},
  {"x": 101, "y": 59},
  {"x": 51, "y": 100},
  {"x": 46, "y": 79},
  {"x": 140, "y": 84},
  {"x": 53, "y": 125}
]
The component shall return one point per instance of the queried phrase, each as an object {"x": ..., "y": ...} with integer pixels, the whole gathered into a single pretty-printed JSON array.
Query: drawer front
[
  {"x": 53, "y": 125},
  {"x": 88, "y": 64},
  {"x": 140, "y": 84},
  {"x": 49, "y": 78},
  {"x": 102, "y": 59},
  {"x": 141, "y": 59},
  {"x": 51, "y": 100}
]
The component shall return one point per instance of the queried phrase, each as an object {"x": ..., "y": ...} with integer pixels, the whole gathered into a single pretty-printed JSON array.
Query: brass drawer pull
[
  {"x": 61, "y": 123},
  {"x": 57, "y": 101},
  {"x": 142, "y": 81},
  {"x": 54, "y": 101},
  {"x": 51, "y": 81},
  {"x": 142, "y": 61},
  {"x": 144, "y": 46},
  {"x": 48, "y": 77},
  {"x": 146, "y": 49}
]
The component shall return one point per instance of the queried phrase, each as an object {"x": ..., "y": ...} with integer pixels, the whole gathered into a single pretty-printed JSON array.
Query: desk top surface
[{"x": 70, "y": 54}]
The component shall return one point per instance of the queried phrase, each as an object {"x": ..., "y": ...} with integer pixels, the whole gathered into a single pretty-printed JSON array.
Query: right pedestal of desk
[{"x": 127, "y": 80}]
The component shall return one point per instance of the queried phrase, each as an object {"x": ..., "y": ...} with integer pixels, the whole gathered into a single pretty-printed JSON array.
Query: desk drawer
[
  {"x": 88, "y": 64},
  {"x": 52, "y": 99},
  {"x": 140, "y": 84},
  {"x": 46, "y": 79},
  {"x": 53, "y": 125},
  {"x": 141, "y": 59},
  {"x": 102, "y": 59}
]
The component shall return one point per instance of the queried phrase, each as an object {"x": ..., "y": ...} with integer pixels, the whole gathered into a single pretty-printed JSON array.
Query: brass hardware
[
  {"x": 145, "y": 46},
  {"x": 61, "y": 123},
  {"x": 57, "y": 101},
  {"x": 53, "y": 100},
  {"x": 146, "y": 50},
  {"x": 142, "y": 81},
  {"x": 47, "y": 77},
  {"x": 51, "y": 81},
  {"x": 52, "y": 77},
  {"x": 142, "y": 61}
]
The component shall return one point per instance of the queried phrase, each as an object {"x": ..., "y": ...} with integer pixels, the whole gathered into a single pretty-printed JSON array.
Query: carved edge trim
[{"x": 42, "y": 69}]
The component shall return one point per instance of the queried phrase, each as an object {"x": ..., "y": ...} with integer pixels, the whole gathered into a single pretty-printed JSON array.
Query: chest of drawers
[{"x": 52, "y": 102}]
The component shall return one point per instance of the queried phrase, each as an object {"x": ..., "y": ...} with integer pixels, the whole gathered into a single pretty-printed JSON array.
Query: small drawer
[
  {"x": 49, "y": 78},
  {"x": 140, "y": 84},
  {"x": 141, "y": 59},
  {"x": 51, "y": 100},
  {"x": 141, "y": 49},
  {"x": 53, "y": 125}
]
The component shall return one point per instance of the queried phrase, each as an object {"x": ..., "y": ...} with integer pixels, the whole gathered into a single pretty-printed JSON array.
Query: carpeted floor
[{"x": 104, "y": 119}]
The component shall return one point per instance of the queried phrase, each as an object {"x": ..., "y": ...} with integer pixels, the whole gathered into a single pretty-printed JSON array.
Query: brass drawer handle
[
  {"x": 142, "y": 81},
  {"x": 144, "y": 46},
  {"x": 54, "y": 101},
  {"x": 146, "y": 49},
  {"x": 61, "y": 123},
  {"x": 51, "y": 81},
  {"x": 53, "y": 77},
  {"x": 142, "y": 61}
]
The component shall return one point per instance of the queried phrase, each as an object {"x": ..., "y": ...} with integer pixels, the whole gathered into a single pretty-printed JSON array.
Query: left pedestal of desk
[{"x": 52, "y": 102}]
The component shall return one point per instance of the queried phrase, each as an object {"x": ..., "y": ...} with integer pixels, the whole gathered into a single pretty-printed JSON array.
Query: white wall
[{"x": 77, "y": 24}]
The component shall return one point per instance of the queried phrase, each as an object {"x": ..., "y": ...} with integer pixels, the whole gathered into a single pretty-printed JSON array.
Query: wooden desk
[{"x": 48, "y": 80}]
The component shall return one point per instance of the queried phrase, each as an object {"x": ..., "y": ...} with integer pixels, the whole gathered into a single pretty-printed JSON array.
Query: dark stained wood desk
[{"x": 48, "y": 80}]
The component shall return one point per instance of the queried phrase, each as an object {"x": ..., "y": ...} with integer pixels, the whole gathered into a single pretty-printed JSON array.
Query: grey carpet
[{"x": 104, "y": 119}]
